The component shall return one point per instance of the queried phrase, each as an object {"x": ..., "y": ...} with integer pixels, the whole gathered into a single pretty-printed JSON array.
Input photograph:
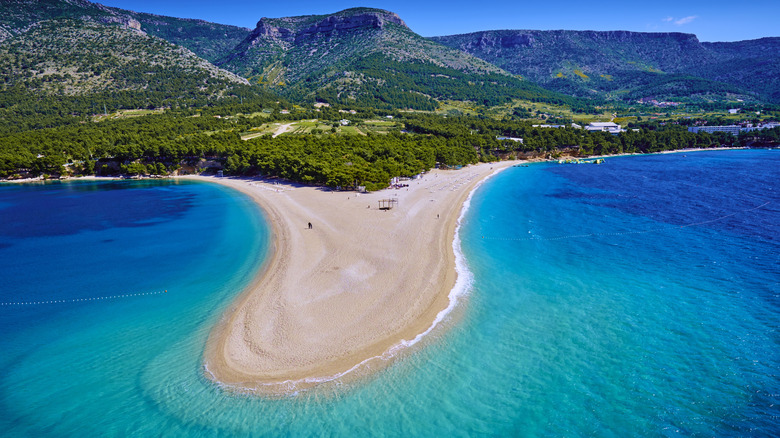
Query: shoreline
[
  {"x": 632, "y": 154},
  {"x": 218, "y": 365},
  {"x": 361, "y": 359},
  {"x": 323, "y": 311},
  {"x": 675, "y": 151}
]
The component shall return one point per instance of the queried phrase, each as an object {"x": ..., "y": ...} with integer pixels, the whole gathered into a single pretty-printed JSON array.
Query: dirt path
[{"x": 282, "y": 129}]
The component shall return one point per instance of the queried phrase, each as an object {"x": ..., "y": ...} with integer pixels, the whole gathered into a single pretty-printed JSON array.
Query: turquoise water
[{"x": 635, "y": 298}]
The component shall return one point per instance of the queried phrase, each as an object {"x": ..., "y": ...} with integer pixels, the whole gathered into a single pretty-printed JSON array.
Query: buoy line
[
  {"x": 80, "y": 300},
  {"x": 653, "y": 230}
]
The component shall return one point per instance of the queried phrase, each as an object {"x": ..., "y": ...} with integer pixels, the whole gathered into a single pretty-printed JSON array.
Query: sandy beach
[{"x": 348, "y": 293}]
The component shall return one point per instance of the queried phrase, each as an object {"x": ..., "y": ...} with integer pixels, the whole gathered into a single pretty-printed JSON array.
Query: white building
[
  {"x": 612, "y": 128},
  {"x": 731, "y": 129}
]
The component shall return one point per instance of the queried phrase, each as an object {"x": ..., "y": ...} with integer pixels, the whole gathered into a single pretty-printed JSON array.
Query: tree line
[{"x": 160, "y": 144}]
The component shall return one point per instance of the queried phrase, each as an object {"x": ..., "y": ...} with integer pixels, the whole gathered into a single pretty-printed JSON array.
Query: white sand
[{"x": 348, "y": 290}]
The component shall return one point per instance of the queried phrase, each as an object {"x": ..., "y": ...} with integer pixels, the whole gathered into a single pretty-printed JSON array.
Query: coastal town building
[
  {"x": 611, "y": 127},
  {"x": 733, "y": 129}
]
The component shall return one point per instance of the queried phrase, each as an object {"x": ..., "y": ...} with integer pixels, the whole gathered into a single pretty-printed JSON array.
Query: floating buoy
[{"x": 79, "y": 300}]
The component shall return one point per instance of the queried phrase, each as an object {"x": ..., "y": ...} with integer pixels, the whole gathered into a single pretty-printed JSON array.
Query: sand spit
[{"x": 348, "y": 293}]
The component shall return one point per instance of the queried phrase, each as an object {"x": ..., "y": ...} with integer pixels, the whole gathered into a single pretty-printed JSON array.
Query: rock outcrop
[{"x": 297, "y": 28}]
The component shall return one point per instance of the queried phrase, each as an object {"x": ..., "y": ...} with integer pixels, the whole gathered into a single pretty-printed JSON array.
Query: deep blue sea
[{"x": 639, "y": 297}]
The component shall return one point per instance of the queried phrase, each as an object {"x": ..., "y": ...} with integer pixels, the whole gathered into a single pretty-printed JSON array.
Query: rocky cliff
[
  {"x": 297, "y": 29},
  {"x": 307, "y": 53}
]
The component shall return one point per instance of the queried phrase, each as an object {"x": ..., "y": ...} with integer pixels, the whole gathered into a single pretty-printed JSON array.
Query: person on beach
[{"x": 310, "y": 225}]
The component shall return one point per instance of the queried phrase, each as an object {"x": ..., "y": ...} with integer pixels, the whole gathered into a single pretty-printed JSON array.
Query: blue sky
[{"x": 713, "y": 20}]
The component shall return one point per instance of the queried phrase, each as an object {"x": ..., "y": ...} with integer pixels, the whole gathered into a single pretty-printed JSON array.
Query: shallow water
[{"x": 637, "y": 297}]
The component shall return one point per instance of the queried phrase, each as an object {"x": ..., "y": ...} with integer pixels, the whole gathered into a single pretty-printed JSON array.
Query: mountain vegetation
[
  {"x": 209, "y": 41},
  {"x": 61, "y": 61},
  {"x": 297, "y": 47},
  {"x": 190, "y": 90},
  {"x": 102, "y": 58},
  {"x": 18, "y": 15},
  {"x": 369, "y": 57},
  {"x": 630, "y": 65}
]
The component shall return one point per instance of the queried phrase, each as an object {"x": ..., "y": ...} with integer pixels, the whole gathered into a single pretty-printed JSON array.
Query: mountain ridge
[
  {"x": 576, "y": 59},
  {"x": 274, "y": 35},
  {"x": 370, "y": 56},
  {"x": 365, "y": 55}
]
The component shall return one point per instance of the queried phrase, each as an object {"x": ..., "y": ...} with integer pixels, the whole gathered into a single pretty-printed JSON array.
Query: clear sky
[{"x": 710, "y": 20}]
